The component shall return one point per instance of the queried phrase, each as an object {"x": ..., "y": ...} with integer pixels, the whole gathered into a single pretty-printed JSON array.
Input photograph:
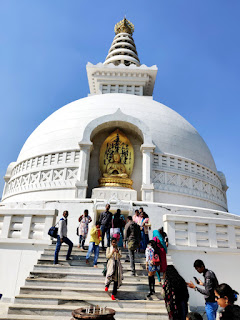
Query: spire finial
[{"x": 124, "y": 26}]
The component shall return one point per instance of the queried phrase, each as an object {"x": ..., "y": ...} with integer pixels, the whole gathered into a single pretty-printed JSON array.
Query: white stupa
[{"x": 174, "y": 175}]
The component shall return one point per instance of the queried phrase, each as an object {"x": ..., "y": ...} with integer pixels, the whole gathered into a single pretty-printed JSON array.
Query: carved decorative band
[
  {"x": 42, "y": 180},
  {"x": 173, "y": 182},
  {"x": 187, "y": 167},
  {"x": 46, "y": 160}
]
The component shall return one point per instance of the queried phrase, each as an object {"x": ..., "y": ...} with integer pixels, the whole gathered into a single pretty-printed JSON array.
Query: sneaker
[
  {"x": 133, "y": 274},
  {"x": 112, "y": 297},
  {"x": 149, "y": 295},
  {"x": 68, "y": 259},
  {"x": 106, "y": 289}
]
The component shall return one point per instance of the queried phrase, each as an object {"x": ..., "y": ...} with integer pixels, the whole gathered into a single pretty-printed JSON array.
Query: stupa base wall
[{"x": 119, "y": 193}]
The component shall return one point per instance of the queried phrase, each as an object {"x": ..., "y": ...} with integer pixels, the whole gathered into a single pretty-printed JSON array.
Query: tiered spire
[
  {"x": 123, "y": 49},
  {"x": 121, "y": 72}
]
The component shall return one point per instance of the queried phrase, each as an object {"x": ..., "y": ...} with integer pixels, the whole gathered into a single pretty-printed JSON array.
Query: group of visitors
[
  {"x": 134, "y": 235},
  {"x": 141, "y": 218},
  {"x": 176, "y": 295}
]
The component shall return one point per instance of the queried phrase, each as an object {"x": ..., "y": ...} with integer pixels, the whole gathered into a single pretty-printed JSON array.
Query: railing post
[
  {"x": 6, "y": 226},
  {"x": 231, "y": 237},
  {"x": 169, "y": 226},
  {"x": 26, "y": 227},
  {"x": 212, "y": 235},
  {"x": 192, "y": 236}
]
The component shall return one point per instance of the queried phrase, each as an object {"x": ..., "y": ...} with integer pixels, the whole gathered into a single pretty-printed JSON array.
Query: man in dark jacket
[
  {"x": 210, "y": 283},
  {"x": 106, "y": 223},
  {"x": 132, "y": 235}
]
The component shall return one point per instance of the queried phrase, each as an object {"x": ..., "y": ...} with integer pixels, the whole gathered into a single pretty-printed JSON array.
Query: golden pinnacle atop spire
[{"x": 124, "y": 26}]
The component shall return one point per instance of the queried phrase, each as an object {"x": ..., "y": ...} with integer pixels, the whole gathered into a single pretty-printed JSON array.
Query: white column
[
  {"x": 82, "y": 175},
  {"x": 147, "y": 186}
]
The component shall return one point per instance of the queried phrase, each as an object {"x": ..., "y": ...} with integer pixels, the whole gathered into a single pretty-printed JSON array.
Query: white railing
[
  {"x": 194, "y": 233},
  {"x": 49, "y": 171},
  {"x": 26, "y": 226},
  {"x": 186, "y": 166},
  {"x": 180, "y": 175}
]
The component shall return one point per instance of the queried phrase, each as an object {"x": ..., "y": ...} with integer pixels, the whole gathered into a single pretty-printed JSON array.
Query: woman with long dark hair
[
  {"x": 225, "y": 297},
  {"x": 176, "y": 294},
  {"x": 144, "y": 224},
  {"x": 152, "y": 264}
]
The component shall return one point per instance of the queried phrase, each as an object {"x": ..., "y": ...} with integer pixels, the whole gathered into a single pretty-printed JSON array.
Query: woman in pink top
[{"x": 136, "y": 217}]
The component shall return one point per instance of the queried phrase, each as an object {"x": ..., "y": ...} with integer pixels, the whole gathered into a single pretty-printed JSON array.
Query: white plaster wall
[
  {"x": 45, "y": 195},
  {"x": 225, "y": 266},
  {"x": 15, "y": 264},
  {"x": 184, "y": 199}
]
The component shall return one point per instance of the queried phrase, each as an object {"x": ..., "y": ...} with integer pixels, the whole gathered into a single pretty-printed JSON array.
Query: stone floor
[{"x": 4, "y": 308}]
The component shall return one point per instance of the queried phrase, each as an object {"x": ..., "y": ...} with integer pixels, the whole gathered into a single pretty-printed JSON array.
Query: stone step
[
  {"x": 77, "y": 283},
  {"x": 89, "y": 292},
  {"x": 74, "y": 301},
  {"x": 76, "y": 262},
  {"x": 84, "y": 267},
  {"x": 44, "y": 312},
  {"x": 101, "y": 258},
  {"x": 76, "y": 250},
  {"x": 82, "y": 274}
]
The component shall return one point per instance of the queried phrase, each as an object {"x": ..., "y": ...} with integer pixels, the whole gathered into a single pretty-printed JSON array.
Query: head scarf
[{"x": 157, "y": 234}]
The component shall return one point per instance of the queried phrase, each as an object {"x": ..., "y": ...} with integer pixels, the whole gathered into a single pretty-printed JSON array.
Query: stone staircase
[{"x": 52, "y": 292}]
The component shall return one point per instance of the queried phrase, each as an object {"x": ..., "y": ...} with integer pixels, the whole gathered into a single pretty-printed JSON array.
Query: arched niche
[
  {"x": 95, "y": 133},
  {"x": 98, "y": 137}
]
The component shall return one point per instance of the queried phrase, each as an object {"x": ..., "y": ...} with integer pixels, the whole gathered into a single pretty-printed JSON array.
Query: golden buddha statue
[
  {"x": 116, "y": 161},
  {"x": 116, "y": 169}
]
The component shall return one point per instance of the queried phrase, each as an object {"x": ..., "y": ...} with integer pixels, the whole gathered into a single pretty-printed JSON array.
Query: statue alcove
[{"x": 98, "y": 139}]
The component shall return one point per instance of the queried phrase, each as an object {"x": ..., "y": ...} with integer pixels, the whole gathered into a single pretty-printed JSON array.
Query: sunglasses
[{"x": 217, "y": 297}]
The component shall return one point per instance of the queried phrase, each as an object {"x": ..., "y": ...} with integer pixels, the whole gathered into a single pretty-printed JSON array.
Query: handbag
[
  {"x": 104, "y": 272},
  {"x": 156, "y": 260},
  {"x": 77, "y": 232}
]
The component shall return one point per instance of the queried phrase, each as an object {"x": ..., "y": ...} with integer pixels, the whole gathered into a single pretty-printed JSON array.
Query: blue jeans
[
  {"x": 93, "y": 247},
  {"x": 106, "y": 230},
  {"x": 58, "y": 246},
  {"x": 211, "y": 310}
]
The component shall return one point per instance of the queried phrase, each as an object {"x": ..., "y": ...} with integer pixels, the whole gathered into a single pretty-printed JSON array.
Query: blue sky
[{"x": 46, "y": 44}]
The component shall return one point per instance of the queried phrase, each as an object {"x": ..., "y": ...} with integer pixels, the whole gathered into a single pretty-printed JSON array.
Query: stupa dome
[{"x": 171, "y": 133}]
